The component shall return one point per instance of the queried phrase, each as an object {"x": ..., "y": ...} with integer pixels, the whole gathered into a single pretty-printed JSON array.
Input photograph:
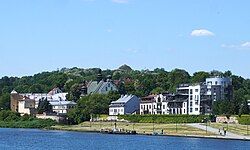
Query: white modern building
[
  {"x": 193, "y": 91},
  {"x": 62, "y": 107},
  {"x": 128, "y": 104}
]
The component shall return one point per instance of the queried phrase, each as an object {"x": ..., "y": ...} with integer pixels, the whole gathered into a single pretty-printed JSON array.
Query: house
[
  {"x": 166, "y": 103},
  {"x": 101, "y": 87},
  {"x": 127, "y": 104},
  {"x": 26, "y": 106},
  {"x": 62, "y": 107}
]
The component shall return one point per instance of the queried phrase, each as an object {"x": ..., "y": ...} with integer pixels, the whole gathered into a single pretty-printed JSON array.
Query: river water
[{"x": 34, "y": 139}]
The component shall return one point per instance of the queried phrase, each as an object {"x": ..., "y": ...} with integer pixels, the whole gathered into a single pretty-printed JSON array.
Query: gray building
[{"x": 127, "y": 104}]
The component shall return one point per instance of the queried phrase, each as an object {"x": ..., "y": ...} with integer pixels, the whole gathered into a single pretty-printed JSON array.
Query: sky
[{"x": 195, "y": 35}]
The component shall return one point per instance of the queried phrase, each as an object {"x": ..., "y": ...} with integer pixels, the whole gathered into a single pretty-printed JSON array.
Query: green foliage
[
  {"x": 9, "y": 119},
  {"x": 164, "y": 118},
  {"x": 157, "y": 90},
  {"x": 244, "y": 119},
  {"x": 44, "y": 106},
  {"x": 224, "y": 107},
  {"x": 199, "y": 77},
  {"x": 5, "y": 101},
  {"x": 91, "y": 105}
]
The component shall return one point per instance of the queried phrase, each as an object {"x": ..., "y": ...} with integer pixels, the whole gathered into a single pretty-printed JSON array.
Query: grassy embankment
[{"x": 142, "y": 128}]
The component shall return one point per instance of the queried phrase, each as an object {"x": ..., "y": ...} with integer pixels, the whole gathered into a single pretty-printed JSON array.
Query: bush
[
  {"x": 9, "y": 119},
  {"x": 244, "y": 119}
]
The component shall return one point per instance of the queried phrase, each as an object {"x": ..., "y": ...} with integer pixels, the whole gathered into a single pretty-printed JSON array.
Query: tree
[
  {"x": 223, "y": 107},
  {"x": 157, "y": 90},
  {"x": 44, "y": 106},
  {"x": 199, "y": 77},
  {"x": 244, "y": 108},
  {"x": 5, "y": 101}
]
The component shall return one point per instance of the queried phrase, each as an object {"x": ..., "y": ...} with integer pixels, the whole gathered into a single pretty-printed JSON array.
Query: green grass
[
  {"x": 234, "y": 128},
  {"x": 143, "y": 128}
]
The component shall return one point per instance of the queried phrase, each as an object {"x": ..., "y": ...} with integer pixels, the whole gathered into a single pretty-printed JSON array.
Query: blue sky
[{"x": 195, "y": 35}]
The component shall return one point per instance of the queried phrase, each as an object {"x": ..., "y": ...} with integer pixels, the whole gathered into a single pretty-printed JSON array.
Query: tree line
[{"x": 140, "y": 83}]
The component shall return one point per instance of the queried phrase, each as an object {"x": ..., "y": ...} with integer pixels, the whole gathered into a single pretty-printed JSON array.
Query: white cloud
[
  {"x": 245, "y": 45},
  {"x": 120, "y": 1},
  {"x": 202, "y": 32}
]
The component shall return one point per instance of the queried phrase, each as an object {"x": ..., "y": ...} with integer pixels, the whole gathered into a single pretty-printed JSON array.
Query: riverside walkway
[{"x": 229, "y": 135}]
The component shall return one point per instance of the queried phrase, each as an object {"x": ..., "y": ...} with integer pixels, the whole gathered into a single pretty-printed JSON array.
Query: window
[
  {"x": 191, "y": 104},
  {"x": 196, "y": 90},
  {"x": 141, "y": 106},
  {"x": 163, "y": 106},
  {"x": 154, "y": 106},
  {"x": 191, "y": 91},
  {"x": 121, "y": 110},
  {"x": 216, "y": 82},
  {"x": 115, "y": 110},
  {"x": 106, "y": 88},
  {"x": 196, "y": 109},
  {"x": 159, "y": 100},
  {"x": 184, "y": 111},
  {"x": 196, "y": 102},
  {"x": 191, "y": 109},
  {"x": 111, "y": 110},
  {"x": 191, "y": 97},
  {"x": 109, "y": 85},
  {"x": 149, "y": 106}
]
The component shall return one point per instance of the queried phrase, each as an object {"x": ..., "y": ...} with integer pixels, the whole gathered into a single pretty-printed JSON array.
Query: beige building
[{"x": 26, "y": 106}]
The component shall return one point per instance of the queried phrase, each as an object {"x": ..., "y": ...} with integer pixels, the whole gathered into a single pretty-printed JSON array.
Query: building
[
  {"x": 26, "y": 106},
  {"x": 54, "y": 94},
  {"x": 192, "y": 99},
  {"x": 194, "y": 92},
  {"x": 27, "y": 103},
  {"x": 62, "y": 107},
  {"x": 101, "y": 87},
  {"x": 219, "y": 88},
  {"x": 127, "y": 104},
  {"x": 166, "y": 103}
]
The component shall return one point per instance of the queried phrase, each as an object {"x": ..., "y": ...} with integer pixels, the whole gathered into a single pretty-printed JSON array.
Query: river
[{"x": 34, "y": 139}]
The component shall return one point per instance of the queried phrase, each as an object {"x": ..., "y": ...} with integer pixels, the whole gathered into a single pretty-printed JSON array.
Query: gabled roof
[{"x": 55, "y": 91}]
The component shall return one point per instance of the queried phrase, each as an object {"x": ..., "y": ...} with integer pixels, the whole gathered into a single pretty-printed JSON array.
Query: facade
[
  {"x": 127, "y": 104},
  {"x": 26, "y": 106},
  {"x": 219, "y": 88},
  {"x": 166, "y": 103},
  {"x": 101, "y": 87},
  {"x": 194, "y": 93},
  {"x": 62, "y": 107}
]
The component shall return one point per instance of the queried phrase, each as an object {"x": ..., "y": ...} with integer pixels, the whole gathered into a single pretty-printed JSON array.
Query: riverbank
[{"x": 178, "y": 130}]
